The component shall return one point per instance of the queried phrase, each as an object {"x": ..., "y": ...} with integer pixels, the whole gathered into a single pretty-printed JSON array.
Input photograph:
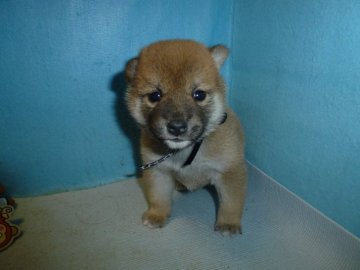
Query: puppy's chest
[
  {"x": 193, "y": 178},
  {"x": 202, "y": 171}
]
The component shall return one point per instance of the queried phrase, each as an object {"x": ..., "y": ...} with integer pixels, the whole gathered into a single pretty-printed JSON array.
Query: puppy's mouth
[
  {"x": 177, "y": 143},
  {"x": 170, "y": 141}
]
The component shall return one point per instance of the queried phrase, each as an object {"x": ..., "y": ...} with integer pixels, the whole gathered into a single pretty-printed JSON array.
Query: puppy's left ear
[
  {"x": 130, "y": 69},
  {"x": 219, "y": 53}
]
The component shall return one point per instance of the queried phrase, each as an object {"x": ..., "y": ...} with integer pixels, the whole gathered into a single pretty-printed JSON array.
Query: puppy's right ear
[{"x": 130, "y": 69}]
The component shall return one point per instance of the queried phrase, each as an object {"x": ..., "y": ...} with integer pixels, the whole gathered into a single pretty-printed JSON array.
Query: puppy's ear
[
  {"x": 219, "y": 53},
  {"x": 130, "y": 69}
]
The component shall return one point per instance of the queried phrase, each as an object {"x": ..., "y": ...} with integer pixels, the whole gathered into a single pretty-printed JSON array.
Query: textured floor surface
[{"x": 100, "y": 229}]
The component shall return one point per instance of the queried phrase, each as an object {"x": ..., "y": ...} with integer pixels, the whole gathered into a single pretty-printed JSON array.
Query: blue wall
[
  {"x": 294, "y": 77},
  {"x": 296, "y": 85},
  {"x": 60, "y": 64}
]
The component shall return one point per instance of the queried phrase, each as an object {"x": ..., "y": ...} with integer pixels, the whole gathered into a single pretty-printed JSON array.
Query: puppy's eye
[
  {"x": 155, "y": 96},
  {"x": 199, "y": 95}
]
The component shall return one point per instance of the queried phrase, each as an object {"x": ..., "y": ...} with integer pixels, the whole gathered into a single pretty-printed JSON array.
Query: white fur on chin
[{"x": 177, "y": 145}]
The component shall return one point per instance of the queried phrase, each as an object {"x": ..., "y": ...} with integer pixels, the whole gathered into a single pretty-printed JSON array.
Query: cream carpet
[{"x": 100, "y": 228}]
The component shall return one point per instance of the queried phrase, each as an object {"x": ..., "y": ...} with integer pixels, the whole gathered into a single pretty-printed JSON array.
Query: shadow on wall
[
  {"x": 5, "y": 179},
  {"x": 125, "y": 121}
]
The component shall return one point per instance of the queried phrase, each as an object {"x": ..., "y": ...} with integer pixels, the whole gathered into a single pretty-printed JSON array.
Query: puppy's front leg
[
  {"x": 231, "y": 188},
  {"x": 158, "y": 188}
]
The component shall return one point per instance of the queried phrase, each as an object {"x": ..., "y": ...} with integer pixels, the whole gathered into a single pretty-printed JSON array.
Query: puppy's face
[{"x": 175, "y": 91}]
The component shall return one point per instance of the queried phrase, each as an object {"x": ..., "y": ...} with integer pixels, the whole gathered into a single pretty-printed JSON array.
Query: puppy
[{"x": 188, "y": 133}]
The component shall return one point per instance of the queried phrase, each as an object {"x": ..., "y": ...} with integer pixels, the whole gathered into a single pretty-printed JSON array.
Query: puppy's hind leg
[{"x": 158, "y": 189}]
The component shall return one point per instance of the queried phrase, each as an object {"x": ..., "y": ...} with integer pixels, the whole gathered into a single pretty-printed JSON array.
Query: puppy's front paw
[
  {"x": 154, "y": 220},
  {"x": 228, "y": 229}
]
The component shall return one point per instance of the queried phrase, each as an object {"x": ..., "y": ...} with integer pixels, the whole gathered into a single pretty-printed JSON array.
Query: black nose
[{"x": 177, "y": 127}]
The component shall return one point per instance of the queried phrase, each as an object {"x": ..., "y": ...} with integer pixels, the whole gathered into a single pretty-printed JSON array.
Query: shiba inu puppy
[{"x": 188, "y": 133}]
